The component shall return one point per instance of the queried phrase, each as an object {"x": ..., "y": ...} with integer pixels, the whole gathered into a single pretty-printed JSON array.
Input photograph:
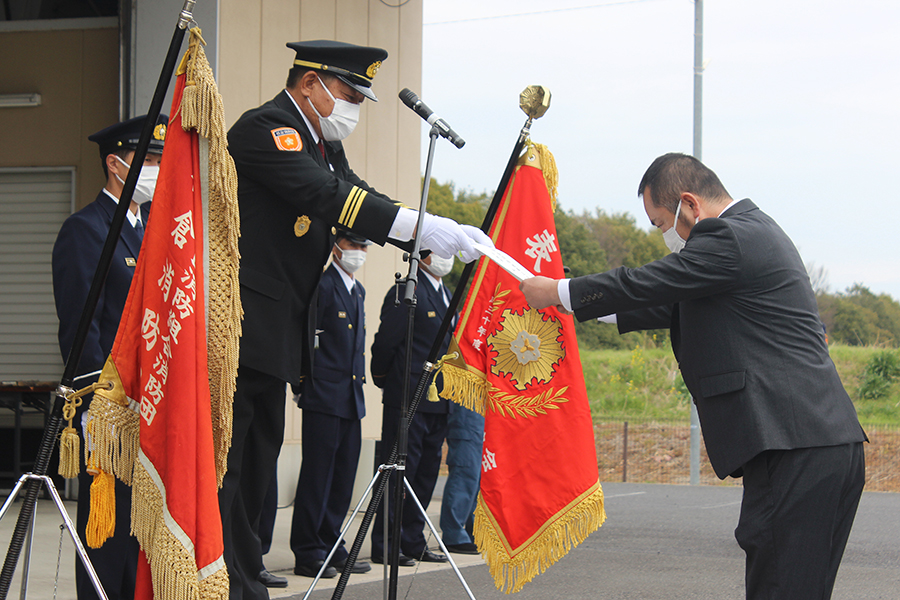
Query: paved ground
[{"x": 660, "y": 542}]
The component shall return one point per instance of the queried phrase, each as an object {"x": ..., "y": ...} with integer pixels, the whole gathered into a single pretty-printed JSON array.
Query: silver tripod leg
[
  {"x": 385, "y": 501},
  {"x": 459, "y": 576},
  {"x": 79, "y": 548},
  {"x": 334, "y": 548}
]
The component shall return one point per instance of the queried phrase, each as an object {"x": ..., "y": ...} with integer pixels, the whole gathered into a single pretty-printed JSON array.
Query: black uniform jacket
[
  {"x": 289, "y": 201},
  {"x": 389, "y": 347},
  {"x": 339, "y": 368},
  {"x": 746, "y": 333},
  {"x": 75, "y": 257}
]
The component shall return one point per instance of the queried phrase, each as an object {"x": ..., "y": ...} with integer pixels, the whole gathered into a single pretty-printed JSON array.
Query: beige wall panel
[
  {"x": 409, "y": 60},
  {"x": 317, "y": 19},
  {"x": 352, "y": 26},
  {"x": 54, "y": 63},
  {"x": 240, "y": 51},
  {"x": 281, "y": 24}
]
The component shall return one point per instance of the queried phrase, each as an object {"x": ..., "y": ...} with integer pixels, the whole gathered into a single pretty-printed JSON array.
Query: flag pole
[
  {"x": 54, "y": 421},
  {"x": 534, "y": 101}
]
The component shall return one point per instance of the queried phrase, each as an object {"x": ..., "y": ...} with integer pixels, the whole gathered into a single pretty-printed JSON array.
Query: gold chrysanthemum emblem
[{"x": 527, "y": 347}]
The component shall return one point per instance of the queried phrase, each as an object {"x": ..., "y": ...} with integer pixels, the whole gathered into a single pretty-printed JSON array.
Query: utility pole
[{"x": 698, "y": 151}]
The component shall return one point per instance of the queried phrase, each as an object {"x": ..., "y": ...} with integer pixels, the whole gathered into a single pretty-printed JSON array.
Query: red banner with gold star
[{"x": 520, "y": 367}]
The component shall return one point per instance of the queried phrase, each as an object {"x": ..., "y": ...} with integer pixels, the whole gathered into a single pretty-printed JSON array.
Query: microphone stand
[
  {"x": 32, "y": 481},
  {"x": 534, "y": 101}
]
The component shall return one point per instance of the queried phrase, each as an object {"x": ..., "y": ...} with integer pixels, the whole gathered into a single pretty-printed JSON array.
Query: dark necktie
[{"x": 139, "y": 229}]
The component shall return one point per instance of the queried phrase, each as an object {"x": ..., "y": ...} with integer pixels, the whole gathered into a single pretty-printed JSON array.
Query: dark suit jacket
[
  {"x": 75, "y": 257},
  {"x": 746, "y": 333},
  {"x": 389, "y": 347},
  {"x": 281, "y": 263},
  {"x": 339, "y": 368}
]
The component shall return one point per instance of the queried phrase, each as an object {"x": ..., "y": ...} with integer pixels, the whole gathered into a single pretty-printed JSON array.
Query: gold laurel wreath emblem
[
  {"x": 525, "y": 406},
  {"x": 527, "y": 346}
]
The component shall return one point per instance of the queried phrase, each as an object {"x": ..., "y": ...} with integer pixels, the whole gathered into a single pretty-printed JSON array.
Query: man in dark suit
[
  {"x": 294, "y": 186},
  {"x": 75, "y": 257},
  {"x": 428, "y": 427},
  {"x": 751, "y": 348},
  {"x": 333, "y": 407}
]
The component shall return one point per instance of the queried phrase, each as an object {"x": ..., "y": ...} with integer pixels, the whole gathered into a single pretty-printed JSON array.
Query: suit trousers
[
  {"x": 423, "y": 462},
  {"x": 465, "y": 436},
  {"x": 330, "y": 455},
  {"x": 257, "y": 433},
  {"x": 796, "y": 514}
]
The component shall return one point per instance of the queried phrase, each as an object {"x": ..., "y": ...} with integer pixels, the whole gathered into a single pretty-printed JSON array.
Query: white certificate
[{"x": 505, "y": 261}]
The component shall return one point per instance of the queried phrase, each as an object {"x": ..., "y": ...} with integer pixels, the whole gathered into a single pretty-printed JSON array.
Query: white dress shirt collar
[{"x": 132, "y": 218}]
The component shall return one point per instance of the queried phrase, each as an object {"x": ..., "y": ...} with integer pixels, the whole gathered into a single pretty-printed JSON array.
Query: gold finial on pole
[{"x": 534, "y": 101}]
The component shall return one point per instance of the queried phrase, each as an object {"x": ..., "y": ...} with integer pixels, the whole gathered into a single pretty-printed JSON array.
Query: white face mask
[
  {"x": 342, "y": 120},
  {"x": 674, "y": 241},
  {"x": 350, "y": 260},
  {"x": 439, "y": 267},
  {"x": 146, "y": 183}
]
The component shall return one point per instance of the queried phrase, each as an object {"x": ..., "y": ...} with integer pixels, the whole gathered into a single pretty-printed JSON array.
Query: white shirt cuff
[
  {"x": 608, "y": 319},
  {"x": 562, "y": 288},
  {"x": 404, "y": 224}
]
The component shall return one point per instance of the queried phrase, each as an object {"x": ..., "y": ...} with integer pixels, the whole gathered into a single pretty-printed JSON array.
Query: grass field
[{"x": 645, "y": 384}]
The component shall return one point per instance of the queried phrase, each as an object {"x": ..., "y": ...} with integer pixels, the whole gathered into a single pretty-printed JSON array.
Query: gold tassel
[
  {"x": 539, "y": 156},
  {"x": 101, "y": 523},
  {"x": 69, "y": 453}
]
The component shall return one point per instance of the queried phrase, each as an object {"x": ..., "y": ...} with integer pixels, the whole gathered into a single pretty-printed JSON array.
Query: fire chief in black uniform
[
  {"x": 75, "y": 256},
  {"x": 294, "y": 186}
]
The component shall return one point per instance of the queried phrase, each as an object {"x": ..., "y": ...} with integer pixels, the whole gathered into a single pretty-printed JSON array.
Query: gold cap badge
[
  {"x": 159, "y": 132},
  {"x": 373, "y": 68},
  {"x": 301, "y": 226}
]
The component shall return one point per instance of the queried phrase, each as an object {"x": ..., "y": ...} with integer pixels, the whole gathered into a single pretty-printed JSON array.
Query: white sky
[{"x": 800, "y": 108}]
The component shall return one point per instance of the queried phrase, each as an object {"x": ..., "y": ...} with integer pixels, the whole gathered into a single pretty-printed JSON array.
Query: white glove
[{"x": 446, "y": 238}]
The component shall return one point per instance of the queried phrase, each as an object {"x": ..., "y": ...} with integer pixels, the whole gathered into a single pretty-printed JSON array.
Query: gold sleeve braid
[{"x": 352, "y": 205}]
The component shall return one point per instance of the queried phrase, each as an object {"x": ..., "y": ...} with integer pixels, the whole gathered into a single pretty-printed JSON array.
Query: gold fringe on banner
[
  {"x": 512, "y": 568},
  {"x": 202, "y": 109},
  {"x": 540, "y": 157},
  {"x": 172, "y": 565}
]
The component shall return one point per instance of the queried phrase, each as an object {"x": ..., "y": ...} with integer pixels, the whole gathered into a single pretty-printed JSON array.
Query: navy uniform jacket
[
  {"x": 289, "y": 200},
  {"x": 389, "y": 347},
  {"x": 339, "y": 369},
  {"x": 746, "y": 333},
  {"x": 75, "y": 257}
]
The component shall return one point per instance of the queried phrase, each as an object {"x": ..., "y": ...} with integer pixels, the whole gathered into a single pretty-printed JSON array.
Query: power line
[{"x": 538, "y": 12}]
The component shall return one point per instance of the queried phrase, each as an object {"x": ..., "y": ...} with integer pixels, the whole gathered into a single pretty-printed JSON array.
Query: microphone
[{"x": 410, "y": 99}]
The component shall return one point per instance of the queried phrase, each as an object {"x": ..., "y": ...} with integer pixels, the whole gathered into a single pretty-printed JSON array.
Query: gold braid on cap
[{"x": 330, "y": 69}]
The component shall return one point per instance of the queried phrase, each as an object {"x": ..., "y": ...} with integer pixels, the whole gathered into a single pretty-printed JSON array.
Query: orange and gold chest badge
[{"x": 287, "y": 138}]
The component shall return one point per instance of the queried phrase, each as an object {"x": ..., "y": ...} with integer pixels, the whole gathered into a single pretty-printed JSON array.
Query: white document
[{"x": 505, "y": 261}]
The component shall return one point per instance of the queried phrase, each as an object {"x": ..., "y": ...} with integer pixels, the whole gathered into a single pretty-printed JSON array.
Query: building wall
[
  {"x": 384, "y": 150},
  {"x": 76, "y": 71}
]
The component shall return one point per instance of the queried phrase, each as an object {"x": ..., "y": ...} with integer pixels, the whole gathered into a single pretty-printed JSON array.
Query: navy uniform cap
[
  {"x": 125, "y": 135},
  {"x": 353, "y": 237},
  {"x": 354, "y": 65}
]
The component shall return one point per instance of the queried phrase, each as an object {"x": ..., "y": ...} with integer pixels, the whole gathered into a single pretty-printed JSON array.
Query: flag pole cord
[
  {"x": 423, "y": 381},
  {"x": 51, "y": 430}
]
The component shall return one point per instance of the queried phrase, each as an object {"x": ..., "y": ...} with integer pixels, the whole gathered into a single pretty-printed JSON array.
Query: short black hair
[
  {"x": 672, "y": 174},
  {"x": 297, "y": 72}
]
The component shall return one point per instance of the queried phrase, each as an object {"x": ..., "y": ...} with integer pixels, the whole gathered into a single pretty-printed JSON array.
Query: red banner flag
[
  {"x": 520, "y": 367},
  {"x": 155, "y": 428}
]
